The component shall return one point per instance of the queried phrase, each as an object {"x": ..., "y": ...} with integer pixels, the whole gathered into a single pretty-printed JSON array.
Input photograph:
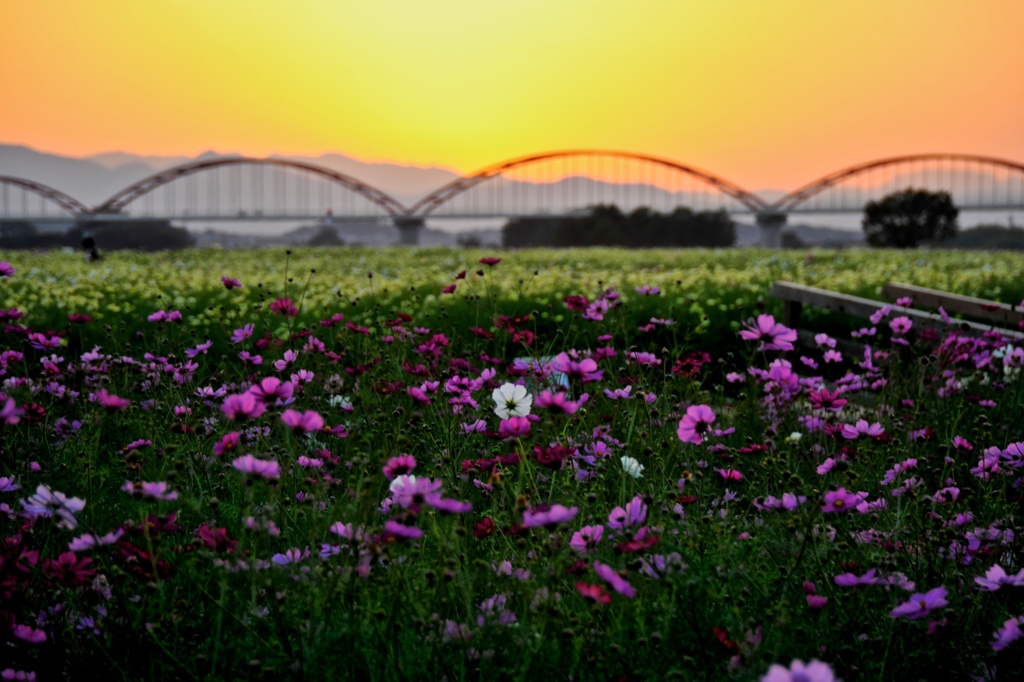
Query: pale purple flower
[
  {"x": 633, "y": 514},
  {"x": 815, "y": 671},
  {"x": 47, "y": 503},
  {"x": 401, "y": 530},
  {"x": 862, "y": 428},
  {"x": 88, "y": 541},
  {"x": 151, "y": 491},
  {"x": 264, "y": 468},
  {"x": 851, "y": 580},
  {"x": 921, "y": 604},
  {"x": 996, "y": 577},
  {"x": 6, "y": 270},
  {"x": 1008, "y": 633},
  {"x": 7, "y": 484},
  {"x": 10, "y": 414}
]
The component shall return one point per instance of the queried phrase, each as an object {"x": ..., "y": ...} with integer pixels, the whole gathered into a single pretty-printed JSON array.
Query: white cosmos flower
[
  {"x": 511, "y": 400},
  {"x": 631, "y": 466}
]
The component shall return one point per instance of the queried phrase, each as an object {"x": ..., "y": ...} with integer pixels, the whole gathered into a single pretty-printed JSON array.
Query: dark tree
[{"x": 904, "y": 220}]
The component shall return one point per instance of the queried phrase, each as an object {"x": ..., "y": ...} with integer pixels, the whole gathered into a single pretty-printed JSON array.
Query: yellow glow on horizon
[{"x": 767, "y": 94}]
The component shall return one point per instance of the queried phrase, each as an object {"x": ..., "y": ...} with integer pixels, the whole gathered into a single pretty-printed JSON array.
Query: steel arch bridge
[
  {"x": 240, "y": 196},
  {"x": 20, "y": 191},
  {"x": 975, "y": 182},
  {"x": 573, "y": 180}
]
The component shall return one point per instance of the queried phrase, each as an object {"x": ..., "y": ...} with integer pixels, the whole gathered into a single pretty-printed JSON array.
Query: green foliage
[
  {"x": 989, "y": 237},
  {"x": 907, "y": 219}
]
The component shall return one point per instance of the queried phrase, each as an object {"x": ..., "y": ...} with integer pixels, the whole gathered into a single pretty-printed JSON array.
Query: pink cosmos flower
[
  {"x": 272, "y": 389},
  {"x": 284, "y": 307},
  {"x": 862, "y": 428},
  {"x": 86, "y": 542},
  {"x": 6, "y": 270},
  {"x": 920, "y": 605},
  {"x": 771, "y": 334},
  {"x": 840, "y": 500},
  {"x": 815, "y": 671},
  {"x": 308, "y": 421},
  {"x": 263, "y": 468},
  {"x": 109, "y": 400},
  {"x": 242, "y": 334},
  {"x": 228, "y": 443},
  {"x": 397, "y": 466},
  {"x": 157, "y": 490},
  {"x": 584, "y": 370},
  {"x": 586, "y": 539},
  {"x": 10, "y": 414},
  {"x": 730, "y": 474},
  {"x": 27, "y": 633},
  {"x": 514, "y": 427},
  {"x": 695, "y": 423},
  {"x": 633, "y": 514},
  {"x": 555, "y": 402},
  {"x": 996, "y": 577},
  {"x": 230, "y": 282},
  {"x": 548, "y": 516},
  {"x": 851, "y": 580},
  {"x": 490, "y": 261},
  {"x": 593, "y": 593},
  {"x": 901, "y": 325},
  {"x": 242, "y": 406},
  {"x": 400, "y": 530},
  {"x": 617, "y": 582},
  {"x": 1008, "y": 633}
]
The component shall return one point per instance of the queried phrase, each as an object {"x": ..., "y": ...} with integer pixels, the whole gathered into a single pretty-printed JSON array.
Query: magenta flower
[
  {"x": 263, "y": 468},
  {"x": 584, "y": 370},
  {"x": 109, "y": 400},
  {"x": 695, "y": 423},
  {"x": 242, "y": 406},
  {"x": 862, "y": 428},
  {"x": 400, "y": 530},
  {"x": 6, "y": 270},
  {"x": 284, "y": 307},
  {"x": 307, "y": 422},
  {"x": 840, "y": 500},
  {"x": 230, "y": 282},
  {"x": 272, "y": 389},
  {"x": 586, "y": 539},
  {"x": 397, "y": 466},
  {"x": 617, "y": 582},
  {"x": 633, "y": 514},
  {"x": 163, "y": 316},
  {"x": 228, "y": 443},
  {"x": 27, "y": 633},
  {"x": 920, "y": 605},
  {"x": 242, "y": 334},
  {"x": 815, "y": 671},
  {"x": 771, "y": 334},
  {"x": 555, "y": 402},
  {"x": 86, "y": 542},
  {"x": 514, "y": 427},
  {"x": 901, "y": 325},
  {"x": 548, "y": 516}
]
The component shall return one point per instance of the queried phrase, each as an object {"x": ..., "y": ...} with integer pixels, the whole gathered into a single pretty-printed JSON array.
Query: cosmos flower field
[{"x": 462, "y": 465}]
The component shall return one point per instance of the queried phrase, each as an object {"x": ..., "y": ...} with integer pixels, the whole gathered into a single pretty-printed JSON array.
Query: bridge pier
[
  {"x": 771, "y": 224},
  {"x": 409, "y": 230}
]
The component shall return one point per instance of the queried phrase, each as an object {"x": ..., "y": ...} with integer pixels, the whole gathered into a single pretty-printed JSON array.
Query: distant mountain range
[{"x": 94, "y": 179}]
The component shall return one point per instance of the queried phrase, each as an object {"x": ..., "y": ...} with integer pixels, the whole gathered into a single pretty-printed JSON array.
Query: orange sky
[{"x": 767, "y": 93}]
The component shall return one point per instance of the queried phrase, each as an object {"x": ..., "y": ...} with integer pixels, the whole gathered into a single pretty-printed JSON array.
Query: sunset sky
[{"x": 766, "y": 93}]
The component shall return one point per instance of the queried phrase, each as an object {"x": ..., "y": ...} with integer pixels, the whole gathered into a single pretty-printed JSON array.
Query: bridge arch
[
  {"x": 51, "y": 196},
  {"x": 982, "y": 182},
  {"x": 447, "y": 193},
  {"x": 120, "y": 201}
]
